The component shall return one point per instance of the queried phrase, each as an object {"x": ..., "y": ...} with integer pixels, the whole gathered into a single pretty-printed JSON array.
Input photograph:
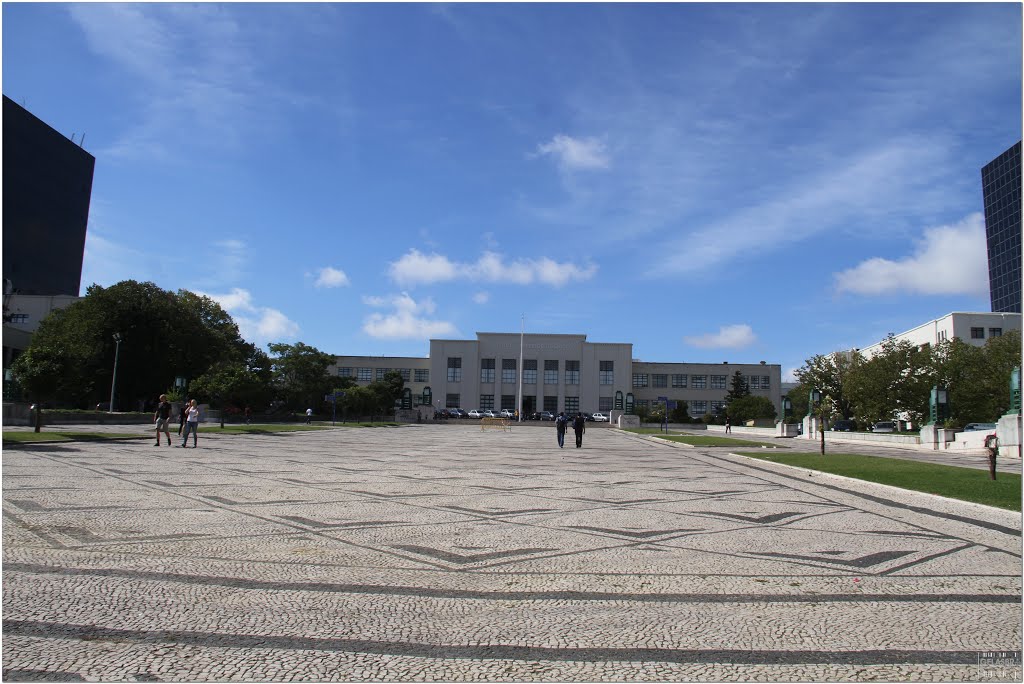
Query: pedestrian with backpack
[
  {"x": 560, "y": 424},
  {"x": 579, "y": 426}
]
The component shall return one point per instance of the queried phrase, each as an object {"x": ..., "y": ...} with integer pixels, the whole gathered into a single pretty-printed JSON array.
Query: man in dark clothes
[
  {"x": 181, "y": 418},
  {"x": 579, "y": 426},
  {"x": 560, "y": 425},
  {"x": 162, "y": 418}
]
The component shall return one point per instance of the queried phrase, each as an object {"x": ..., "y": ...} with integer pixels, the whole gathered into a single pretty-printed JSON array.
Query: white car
[
  {"x": 600, "y": 418},
  {"x": 488, "y": 414},
  {"x": 508, "y": 413},
  {"x": 476, "y": 413}
]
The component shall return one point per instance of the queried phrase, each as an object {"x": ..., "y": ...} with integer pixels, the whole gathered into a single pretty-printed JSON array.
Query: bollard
[
  {"x": 38, "y": 410},
  {"x": 992, "y": 445}
]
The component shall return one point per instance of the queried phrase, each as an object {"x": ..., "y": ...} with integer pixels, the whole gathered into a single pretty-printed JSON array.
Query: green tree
[
  {"x": 387, "y": 391},
  {"x": 977, "y": 378},
  {"x": 164, "y": 335},
  {"x": 738, "y": 388},
  {"x": 300, "y": 374},
  {"x": 751, "y": 408},
  {"x": 830, "y": 374},
  {"x": 896, "y": 381},
  {"x": 681, "y": 413}
]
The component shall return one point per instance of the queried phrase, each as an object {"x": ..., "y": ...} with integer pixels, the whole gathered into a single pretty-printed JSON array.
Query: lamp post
[
  {"x": 817, "y": 399},
  {"x": 117, "y": 352}
]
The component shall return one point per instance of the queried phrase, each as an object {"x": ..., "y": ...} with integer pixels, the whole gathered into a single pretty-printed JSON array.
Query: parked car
[
  {"x": 458, "y": 413},
  {"x": 507, "y": 413},
  {"x": 476, "y": 413},
  {"x": 974, "y": 427},
  {"x": 844, "y": 426},
  {"x": 884, "y": 426},
  {"x": 545, "y": 415},
  {"x": 599, "y": 417},
  {"x": 489, "y": 414}
]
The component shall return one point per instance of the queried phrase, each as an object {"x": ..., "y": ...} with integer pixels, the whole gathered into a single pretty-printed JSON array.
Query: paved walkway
[{"x": 449, "y": 553}]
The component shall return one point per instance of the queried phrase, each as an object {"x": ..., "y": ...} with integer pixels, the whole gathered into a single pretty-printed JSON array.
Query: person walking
[
  {"x": 728, "y": 425},
  {"x": 248, "y": 415},
  {"x": 309, "y": 416},
  {"x": 181, "y": 417},
  {"x": 191, "y": 425},
  {"x": 162, "y": 418},
  {"x": 579, "y": 426},
  {"x": 560, "y": 424}
]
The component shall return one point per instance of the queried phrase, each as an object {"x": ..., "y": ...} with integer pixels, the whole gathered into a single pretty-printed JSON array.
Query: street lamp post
[
  {"x": 117, "y": 352},
  {"x": 817, "y": 398}
]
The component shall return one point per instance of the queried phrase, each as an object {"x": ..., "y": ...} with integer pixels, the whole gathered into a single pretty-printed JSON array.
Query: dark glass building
[
  {"x": 1000, "y": 182},
  {"x": 47, "y": 187}
]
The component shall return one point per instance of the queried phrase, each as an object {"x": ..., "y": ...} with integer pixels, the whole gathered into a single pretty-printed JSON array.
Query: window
[
  {"x": 344, "y": 372},
  {"x": 455, "y": 370},
  {"x": 717, "y": 408},
  {"x": 422, "y": 375},
  {"x": 765, "y": 382},
  {"x": 19, "y": 318},
  {"x": 508, "y": 401},
  {"x": 487, "y": 370},
  {"x": 451, "y": 401},
  {"x": 405, "y": 373},
  {"x": 753, "y": 382},
  {"x": 639, "y": 379},
  {"x": 995, "y": 332},
  {"x": 572, "y": 404},
  {"x": 551, "y": 404},
  {"x": 606, "y": 374},
  {"x": 679, "y": 381},
  {"x": 508, "y": 371},
  {"x": 659, "y": 380},
  {"x": 977, "y": 333},
  {"x": 486, "y": 402},
  {"x": 641, "y": 404},
  {"x": 604, "y": 404},
  {"x": 529, "y": 371},
  {"x": 717, "y": 382},
  {"x": 381, "y": 372},
  {"x": 700, "y": 381},
  {"x": 698, "y": 408},
  {"x": 364, "y": 374},
  {"x": 572, "y": 372},
  {"x": 550, "y": 374}
]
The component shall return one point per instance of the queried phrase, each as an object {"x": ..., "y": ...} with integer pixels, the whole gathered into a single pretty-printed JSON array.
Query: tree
[
  {"x": 300, "y": 374},
  {"x": 830, "y": 374},
  {"x": 751, "y": 408},
  {"x": 165, "y": 335},
  {"x": 977, "y": 378},
  {"x": 738, "y": 388},
  {"x": 894, "y": 382},
  {"x": 681, "y": 413}
]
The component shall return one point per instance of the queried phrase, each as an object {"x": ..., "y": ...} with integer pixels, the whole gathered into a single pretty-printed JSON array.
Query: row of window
[
  {"x": 367, "y": 374},
  {"x": 979, "y": 333},
  {"x": 508, "y": 371},
  {"x": 508, "y": 401},
  {"x": 679, "y": 381},
  {"x": 697, "y": 407}
]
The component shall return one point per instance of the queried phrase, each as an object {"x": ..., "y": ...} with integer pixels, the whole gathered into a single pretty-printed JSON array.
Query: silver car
[{"x": 884, "y": 426}]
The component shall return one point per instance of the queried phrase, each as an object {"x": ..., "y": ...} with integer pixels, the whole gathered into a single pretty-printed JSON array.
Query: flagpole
[{"x": 519, "y": 400}]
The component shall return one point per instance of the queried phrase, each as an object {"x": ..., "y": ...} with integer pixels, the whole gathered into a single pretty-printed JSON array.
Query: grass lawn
[
  {"x": 966, "y": 484},
  {"x": 701, "y": 440},
  {"x": 69, "y": 436}
]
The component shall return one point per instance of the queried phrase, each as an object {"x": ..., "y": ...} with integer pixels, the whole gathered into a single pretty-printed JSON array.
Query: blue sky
[{"x": 711, "y": 182}]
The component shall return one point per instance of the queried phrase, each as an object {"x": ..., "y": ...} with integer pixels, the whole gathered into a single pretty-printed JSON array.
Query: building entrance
[{"x": 529, "y": 406}]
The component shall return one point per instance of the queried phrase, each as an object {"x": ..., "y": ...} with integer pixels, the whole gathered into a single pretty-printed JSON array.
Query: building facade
[
  {"x": 47, "y": 187},
  {"x": 970, "y": 327},
  {"x": 558, "y": 373},
  {"x": 1001, "y": 185}
]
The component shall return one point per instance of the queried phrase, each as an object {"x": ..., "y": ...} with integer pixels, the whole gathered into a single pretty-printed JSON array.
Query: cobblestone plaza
[{"x": 443, "y": 552}]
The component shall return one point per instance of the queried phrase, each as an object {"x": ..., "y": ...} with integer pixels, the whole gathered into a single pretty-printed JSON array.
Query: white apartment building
[{"x": 971, "y": 327}]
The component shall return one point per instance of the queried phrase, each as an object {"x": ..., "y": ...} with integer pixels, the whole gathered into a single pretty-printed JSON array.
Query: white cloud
[
  {"x": 482, "y": 297},
  {"x": 576, "y": 153},
  {"x": 946, "y": 260},
  {"x": 406, "y": 320},
  {"x": 331, "y": 277},
  {"x": 415, "y": 267},
  {"x": 728, "y": 336},
  {"x": 256, "y": 324}
]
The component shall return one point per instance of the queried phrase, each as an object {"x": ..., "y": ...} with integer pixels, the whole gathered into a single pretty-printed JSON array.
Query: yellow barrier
[{"x": 496, "y": 423}]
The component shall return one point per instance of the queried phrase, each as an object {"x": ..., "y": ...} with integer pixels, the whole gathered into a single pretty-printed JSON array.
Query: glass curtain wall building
[{"x": 1000, "y": 180}]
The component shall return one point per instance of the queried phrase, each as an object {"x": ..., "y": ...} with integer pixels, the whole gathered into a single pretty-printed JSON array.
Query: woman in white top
[{"x": 191, "y": 425}]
